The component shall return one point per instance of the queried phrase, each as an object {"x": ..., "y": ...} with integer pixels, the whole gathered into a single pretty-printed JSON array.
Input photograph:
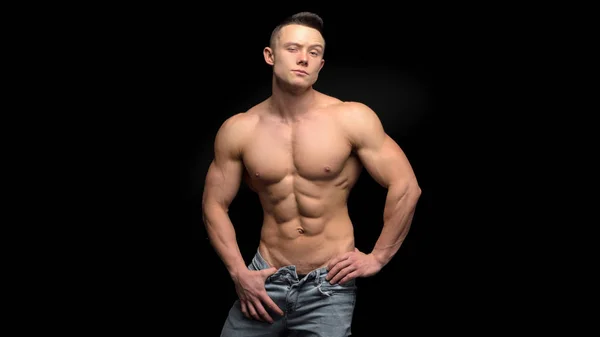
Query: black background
[
  {"x": 174, "y": 75},
  {"x": 128, "y": 101},
  {"x": 382, "y": 61}
]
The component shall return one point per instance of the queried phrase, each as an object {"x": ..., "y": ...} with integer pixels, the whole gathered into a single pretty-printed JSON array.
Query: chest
[{"x": 315, "y": 149}]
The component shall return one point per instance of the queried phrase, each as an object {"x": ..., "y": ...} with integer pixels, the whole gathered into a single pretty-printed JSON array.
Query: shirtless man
[{"x": 302, "y": 151}]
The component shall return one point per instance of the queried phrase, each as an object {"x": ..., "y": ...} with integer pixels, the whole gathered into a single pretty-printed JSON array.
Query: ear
[
  {"x": 322, "y": 64},
  {"x": 268, "y": 54}
]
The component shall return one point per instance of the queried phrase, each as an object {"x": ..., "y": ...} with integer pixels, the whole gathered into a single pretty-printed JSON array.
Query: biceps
[
  {"x": 387, "y": 164},
  {"x": 222, "y": 182}
]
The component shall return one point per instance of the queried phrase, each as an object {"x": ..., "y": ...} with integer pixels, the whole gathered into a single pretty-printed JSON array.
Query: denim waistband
[{"x": 259, "y": 263}]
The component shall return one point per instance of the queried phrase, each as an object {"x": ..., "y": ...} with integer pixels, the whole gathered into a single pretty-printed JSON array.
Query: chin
[
  {"x": 294, "y": 83},
  {"x": 301, "y": 82},
  {"x": 299, "y": 87}
]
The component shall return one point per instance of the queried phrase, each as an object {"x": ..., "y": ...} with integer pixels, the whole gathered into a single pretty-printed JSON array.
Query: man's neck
[{"x": 291, "y": 104}]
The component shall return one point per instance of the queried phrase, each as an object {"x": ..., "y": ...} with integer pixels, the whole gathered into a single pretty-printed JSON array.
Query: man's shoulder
[
  {"x": 353, "y": 111},
  {"x": 357, "y": 120},
  {"x": 239, "y": 122},
  {"x": 235, "y": 131}
]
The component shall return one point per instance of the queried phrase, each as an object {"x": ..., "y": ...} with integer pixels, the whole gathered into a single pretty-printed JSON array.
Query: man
[{"x": 302, "y": 151}]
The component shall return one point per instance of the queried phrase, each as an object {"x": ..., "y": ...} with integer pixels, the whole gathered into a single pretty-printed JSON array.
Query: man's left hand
[{"x": 351, "y": 265}]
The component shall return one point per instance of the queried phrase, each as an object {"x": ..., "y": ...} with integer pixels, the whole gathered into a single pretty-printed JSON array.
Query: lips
[{"x": 300, "y": 71}]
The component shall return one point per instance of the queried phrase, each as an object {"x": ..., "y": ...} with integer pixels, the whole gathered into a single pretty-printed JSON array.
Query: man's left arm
[{"x": 388, "y": 165}]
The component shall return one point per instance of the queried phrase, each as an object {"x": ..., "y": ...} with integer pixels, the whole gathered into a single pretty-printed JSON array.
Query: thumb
[{"x": 270, "y": 271}]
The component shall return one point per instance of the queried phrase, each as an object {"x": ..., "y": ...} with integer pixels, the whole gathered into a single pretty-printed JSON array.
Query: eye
[{"x": 314, "y": 53}]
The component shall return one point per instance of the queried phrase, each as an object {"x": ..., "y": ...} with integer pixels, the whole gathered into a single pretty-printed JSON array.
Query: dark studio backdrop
[
  {"x": 384, "y": 61},
  {"x": 194, "y": 74},
  {"x": 156, "y": 81}
]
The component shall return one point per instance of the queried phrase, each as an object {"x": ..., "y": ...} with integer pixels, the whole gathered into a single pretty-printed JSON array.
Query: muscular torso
[{"x": 303, "y": 172}]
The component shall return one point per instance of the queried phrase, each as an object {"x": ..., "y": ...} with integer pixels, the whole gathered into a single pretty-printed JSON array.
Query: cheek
[
  {"x": 279, "y": 68},
  {"x": 283, "y": 65}
]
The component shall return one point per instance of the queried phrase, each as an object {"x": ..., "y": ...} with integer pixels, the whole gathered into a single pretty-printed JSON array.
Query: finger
[
  {"x": 349, "y": 277},
  {"x": 336, "y": 260},
  {"x": 341, "y": 274},
  {"x": 253, "y": 312},
  {"x": 266, "y": 299},
  {"x": 245, "y": 309},
  {"x": 262, "y": 312},
  {"x": 337, "y": 268},
  {"x": 269, "y": 272}
]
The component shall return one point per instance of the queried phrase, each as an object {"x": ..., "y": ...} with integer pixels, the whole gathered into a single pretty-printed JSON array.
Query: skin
[{"x": 302, "y": 151}]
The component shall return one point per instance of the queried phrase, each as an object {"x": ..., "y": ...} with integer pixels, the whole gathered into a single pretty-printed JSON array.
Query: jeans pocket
[{"x": 329, "y": 289}]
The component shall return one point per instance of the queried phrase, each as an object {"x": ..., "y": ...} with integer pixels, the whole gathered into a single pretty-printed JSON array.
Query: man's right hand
[{"x": 250, "y": 287}]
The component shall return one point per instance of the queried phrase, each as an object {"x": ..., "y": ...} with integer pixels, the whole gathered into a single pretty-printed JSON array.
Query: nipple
[
  {"x": 300, "y": 230},
  {"x": 327, "y": 168},
  {"x": 257, "y": 174}
]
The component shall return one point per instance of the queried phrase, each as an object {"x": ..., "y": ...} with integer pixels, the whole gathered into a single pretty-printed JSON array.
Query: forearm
[
  {"x": 221, "y": 234},
  {"x": 398, "y": 214}
]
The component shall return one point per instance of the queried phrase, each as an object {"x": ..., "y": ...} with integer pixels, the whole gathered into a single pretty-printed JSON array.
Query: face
[{"x": 297, "y": 56}]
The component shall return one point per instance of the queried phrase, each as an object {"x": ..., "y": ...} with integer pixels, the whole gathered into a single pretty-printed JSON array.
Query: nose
[{"x": 303, "y": 59}]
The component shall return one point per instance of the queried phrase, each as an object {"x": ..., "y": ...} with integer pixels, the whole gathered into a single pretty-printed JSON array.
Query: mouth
[{"x": 297, "y": 71}]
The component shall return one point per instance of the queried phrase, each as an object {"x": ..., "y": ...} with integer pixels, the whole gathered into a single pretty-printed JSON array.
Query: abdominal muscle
[{"x": 305, "y": 229}]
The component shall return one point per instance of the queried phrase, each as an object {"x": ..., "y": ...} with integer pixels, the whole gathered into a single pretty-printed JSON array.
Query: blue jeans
[{"x": 311, "y": 305}]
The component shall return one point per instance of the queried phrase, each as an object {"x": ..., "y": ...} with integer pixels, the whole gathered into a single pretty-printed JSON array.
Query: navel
[{"x": 300, "y": 230}]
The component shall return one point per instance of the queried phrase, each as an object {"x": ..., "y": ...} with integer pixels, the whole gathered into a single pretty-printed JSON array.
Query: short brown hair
[{"x": 307, "y": 19}]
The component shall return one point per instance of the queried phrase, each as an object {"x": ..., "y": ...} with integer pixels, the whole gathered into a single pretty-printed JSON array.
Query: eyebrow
[{"x": 318, "y": 45}]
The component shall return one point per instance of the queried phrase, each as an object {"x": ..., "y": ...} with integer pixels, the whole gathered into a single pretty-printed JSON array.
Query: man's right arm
[
  {"x": 222, "y": 183},
  {"x": 221, "y": 186}
]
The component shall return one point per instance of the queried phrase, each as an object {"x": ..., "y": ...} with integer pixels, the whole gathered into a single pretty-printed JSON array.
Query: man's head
[
  {"x": 296, "y": 49},
  {"x": 306, "y": 19}
]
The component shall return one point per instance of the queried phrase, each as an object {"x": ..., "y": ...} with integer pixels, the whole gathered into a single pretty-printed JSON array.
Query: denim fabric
[{"x": 311, "y": 305}]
